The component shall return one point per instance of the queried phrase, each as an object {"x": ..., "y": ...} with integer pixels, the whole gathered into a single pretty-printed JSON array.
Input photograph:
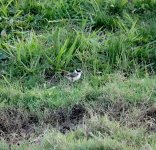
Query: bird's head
[{"x": 78, "y": 71}]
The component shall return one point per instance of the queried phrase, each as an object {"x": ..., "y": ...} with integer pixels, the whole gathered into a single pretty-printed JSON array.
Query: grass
[
  {"x": 112, "y": 41},
  {"x": 134, "y": 90},
  {"x": 98, "y": 133}
]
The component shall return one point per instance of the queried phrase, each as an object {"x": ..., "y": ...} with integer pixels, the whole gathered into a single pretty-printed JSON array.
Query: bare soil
[{"x": 18, "y": 124}]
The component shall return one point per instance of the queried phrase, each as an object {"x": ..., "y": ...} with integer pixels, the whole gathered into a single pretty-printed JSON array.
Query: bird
[{"x": 74, "y": 76}]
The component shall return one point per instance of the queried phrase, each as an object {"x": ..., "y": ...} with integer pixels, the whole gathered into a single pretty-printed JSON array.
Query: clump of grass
[{"x": 137, "y": 89}]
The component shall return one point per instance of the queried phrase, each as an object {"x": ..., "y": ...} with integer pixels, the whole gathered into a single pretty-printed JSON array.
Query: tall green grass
[{"x": 98, "y": 36}]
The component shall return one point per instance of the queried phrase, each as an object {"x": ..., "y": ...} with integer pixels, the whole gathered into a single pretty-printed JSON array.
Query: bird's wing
[{"x": 72, "y": 75}]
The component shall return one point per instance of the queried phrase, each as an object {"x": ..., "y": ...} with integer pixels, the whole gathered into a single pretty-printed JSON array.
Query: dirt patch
[
  {"x": 148, "y": 117},
  {"x": 77, "y": 112},
  {"x": 133, "y": 116},
  {"x": 65, "y": 119},
  {"x": 17, "y": 124},
  {"x": 116, "y": 110}
]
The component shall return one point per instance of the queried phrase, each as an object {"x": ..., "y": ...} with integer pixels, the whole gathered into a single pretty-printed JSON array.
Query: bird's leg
[{"x": 72, "y": 83}]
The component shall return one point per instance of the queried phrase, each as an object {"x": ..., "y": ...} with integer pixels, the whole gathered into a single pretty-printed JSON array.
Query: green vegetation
[{"x": 112, "y": 41}]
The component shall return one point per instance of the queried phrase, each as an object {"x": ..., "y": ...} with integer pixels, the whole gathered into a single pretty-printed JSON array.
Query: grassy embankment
[{"x": 112, "y": 41}]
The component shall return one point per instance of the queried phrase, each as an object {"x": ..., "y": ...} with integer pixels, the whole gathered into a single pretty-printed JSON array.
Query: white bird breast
[{"x": 77, "y": 77}]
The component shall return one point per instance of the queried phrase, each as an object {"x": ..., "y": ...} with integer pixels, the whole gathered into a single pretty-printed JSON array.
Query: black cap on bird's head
[{"x": 78, "y": 70}]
